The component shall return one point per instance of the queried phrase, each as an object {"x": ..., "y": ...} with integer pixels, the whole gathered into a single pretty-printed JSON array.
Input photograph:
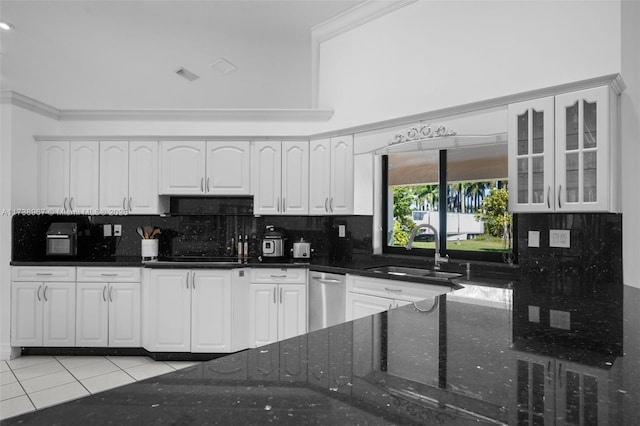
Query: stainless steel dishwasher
[{"x": 327, "y": 296}]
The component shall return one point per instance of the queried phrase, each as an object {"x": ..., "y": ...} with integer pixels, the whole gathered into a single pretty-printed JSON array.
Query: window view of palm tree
[{"x": 476, "y": 202}]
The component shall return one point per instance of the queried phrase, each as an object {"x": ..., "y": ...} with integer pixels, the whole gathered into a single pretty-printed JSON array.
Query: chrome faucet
[{"x": 437, "y": 258}]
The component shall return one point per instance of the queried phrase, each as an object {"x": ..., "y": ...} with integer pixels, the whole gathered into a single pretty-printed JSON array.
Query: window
[{"x": 460, "y": 192}]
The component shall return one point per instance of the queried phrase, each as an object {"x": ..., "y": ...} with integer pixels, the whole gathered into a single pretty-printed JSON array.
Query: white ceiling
[{"x": 117, "y": 54}]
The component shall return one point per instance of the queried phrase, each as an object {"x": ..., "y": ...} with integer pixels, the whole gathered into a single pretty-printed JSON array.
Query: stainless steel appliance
[
  {"x": 301, "y": 250},
  {"x": 273, "y": 243},
  {"x": 62, "y": 239},
  {"x": 327, "y": 300}
]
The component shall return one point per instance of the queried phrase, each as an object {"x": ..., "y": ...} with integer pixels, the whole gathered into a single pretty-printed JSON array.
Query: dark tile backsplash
[{"x": 193, "y": 235}]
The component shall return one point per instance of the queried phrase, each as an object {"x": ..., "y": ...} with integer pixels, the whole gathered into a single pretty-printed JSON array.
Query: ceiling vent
[
  {"x": 223, "y": 66},
  {"x": 182, "y": 72}
]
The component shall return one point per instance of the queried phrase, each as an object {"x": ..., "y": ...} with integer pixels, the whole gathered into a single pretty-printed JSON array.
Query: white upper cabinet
[
  {"x": 69, "y": 178},
  {"x": 586, "y": 151},
  {"x": 228, "y": 168},
  {"x": 281, "y": 178},
  {"x": 114, "y": 175},
  {"x": 143, "y": 178},
  {"x": 531, "y": 155},
  {"x": 563, "y": 151},
  {"x": 211, "y": 168},
  {"x": 129, "y": 176},
  {"x": 331, "y": 176},
  {"x": 182, "y": 167}
]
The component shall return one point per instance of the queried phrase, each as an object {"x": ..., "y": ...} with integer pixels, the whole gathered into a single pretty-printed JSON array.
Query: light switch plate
[
  {"x": 534, "y": 239},
  {"x": 106, "y": 229},
  {"x": 560, "y": 319},
  {"x": 559, "y": 238},
  {"x": 534, "y": 313},
  {"x": 117, "y": 230}
]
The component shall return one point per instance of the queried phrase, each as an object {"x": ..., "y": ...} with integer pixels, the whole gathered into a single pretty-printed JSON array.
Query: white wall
[
  {"x": 630, "y": 136},
  {"x": 434, "y": 54},
  {"x": 18, "y": 189}
]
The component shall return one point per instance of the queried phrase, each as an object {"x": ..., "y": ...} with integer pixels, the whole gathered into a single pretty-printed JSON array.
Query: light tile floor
[{"x": 32, "y": 382}]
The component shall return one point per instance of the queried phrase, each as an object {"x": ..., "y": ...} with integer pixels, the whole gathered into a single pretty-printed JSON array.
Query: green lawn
[{"x": 482, "y": 243}]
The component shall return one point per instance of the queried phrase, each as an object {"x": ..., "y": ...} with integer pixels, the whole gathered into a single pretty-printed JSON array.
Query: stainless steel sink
[{"x": 415, "y": 272}]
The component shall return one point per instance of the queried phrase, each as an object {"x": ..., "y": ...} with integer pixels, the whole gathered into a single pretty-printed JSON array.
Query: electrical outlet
[
  {"x": 560, "y": 319},
  {"x": 534, "y": 313},
  {"x": 342, "y": 231},
  {"x": 117, "y": 230},
  {"x": 106, "y": 229},
  {"x": 534, "y": 239},
  {"x": 559, "y": 238}
]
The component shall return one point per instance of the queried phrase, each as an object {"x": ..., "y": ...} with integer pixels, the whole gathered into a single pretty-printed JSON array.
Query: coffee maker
[{"x": 273, "y": 243}]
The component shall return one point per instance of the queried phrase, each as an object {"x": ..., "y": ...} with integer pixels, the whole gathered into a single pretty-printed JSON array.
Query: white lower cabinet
[
  {"x": 277, "y": 305},
  {"x": 187, "y": 310},
  {"x": 368, "y": 296},
  {"x": 108, "y": 307},
  {"x": 43, "y": 306}
]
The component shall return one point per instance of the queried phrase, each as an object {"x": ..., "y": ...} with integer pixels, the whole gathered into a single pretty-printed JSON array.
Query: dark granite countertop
[{"x": 466, "y": 357}]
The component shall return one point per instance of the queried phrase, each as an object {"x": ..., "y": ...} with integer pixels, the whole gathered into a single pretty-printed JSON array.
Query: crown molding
[
  {"x": 22, "y": 101},
  {"x": 340, "y": 24},
  {"x": 271, "y": 115}
]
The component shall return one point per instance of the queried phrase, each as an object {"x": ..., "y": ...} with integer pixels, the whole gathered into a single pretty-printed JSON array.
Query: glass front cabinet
[{"x": 563, "y": 153}]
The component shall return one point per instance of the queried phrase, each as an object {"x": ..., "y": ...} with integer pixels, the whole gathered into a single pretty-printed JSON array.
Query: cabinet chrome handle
[
  {"x": 326, "y": 204},
  {"x": 39, "y": 289},
  {"x": 201, "y": 184},
  {"x": 109, "y": 275},
  {"x": 559, "y": 192},
  {"x": 44, "y": 273},
  {"x": 71, "y": 203},
  {"x": 274, "y": 295},
  {"x": 283, "y": 205},
  {"x": 395, "y": 290},
  {"x": 331, "y": 204},
  {"x": 111, "y": 294},
  {"x": 188, "y": 276},
  {"x": 104, "y": 293},
  {"x": 193, "y": 281},
  {"x": 278, "y": 276},
  {"x": 45, "y": 293},
  {"x": 208, "y": 185},
  {"x": 548, "y": 197},
  {"x": 281, "y": 295},
  {"x": 64, "y": 203},
  {"x": 130, "y": 203},
  {"x": 124, "y": 201},
  {"x": 278, "y": 205}
]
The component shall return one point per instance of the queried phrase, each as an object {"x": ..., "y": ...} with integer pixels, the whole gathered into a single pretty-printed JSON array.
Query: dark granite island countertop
[{"x": 470, "y": 356}]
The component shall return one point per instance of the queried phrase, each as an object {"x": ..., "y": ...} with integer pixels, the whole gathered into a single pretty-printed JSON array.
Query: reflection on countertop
[{"x": 458, "y": 361}]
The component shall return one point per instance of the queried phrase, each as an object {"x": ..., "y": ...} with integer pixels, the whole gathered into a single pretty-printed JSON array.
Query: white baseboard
[{"x": 7, "y": 352}]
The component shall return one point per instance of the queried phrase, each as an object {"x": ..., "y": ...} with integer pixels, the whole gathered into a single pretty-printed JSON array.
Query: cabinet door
[
  {"x": 26, "y": 313},
  {"x": 341, "y": 200},
  {"x": 211, "y": 312},
  {"x": 228, "y": 168},
  {"x": 53, "y": 169},
  {"x": 531, "y": 156},
  {"x": 362, "y": 305},
  {"x": 124, "y": 315},
  {"x": 292, "y": 310},
  {"x": 267, "y": 178},
  {"x": 59, "y": 314},
  {"x": 169, "y": 311},
  {"x": 143, "y": 178},
  {"x": 582, "y": 150},
  {"x": 263, "y": 314},
  {"x": 182, "y": 169},
  {"x": 114, "y": 175},
  {"x": 319, "y": 176},
  {"x": 84, "y": 177},
  {"x": 92, "y": 314},
  {"x": 295, "y": 178}
]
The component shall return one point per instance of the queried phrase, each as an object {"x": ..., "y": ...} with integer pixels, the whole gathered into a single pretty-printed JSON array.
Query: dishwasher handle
[{"x": 327, "y": 280}]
